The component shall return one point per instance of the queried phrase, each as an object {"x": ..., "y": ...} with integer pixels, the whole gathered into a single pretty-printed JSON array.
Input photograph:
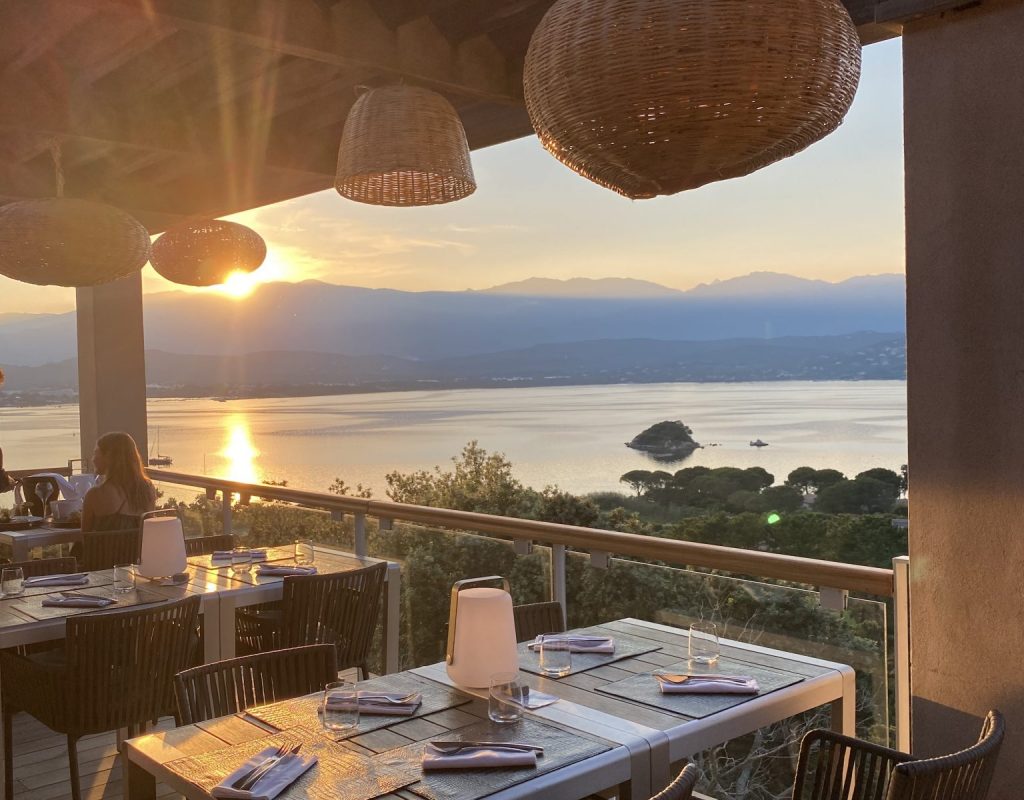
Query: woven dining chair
[
  {"x": 682, "y": 787},
  {"x": 338, "y": 608},
  {"x": 228, "y": 687},
  {"x": 116, "y": 671},
  {"x": 837, "y": 767},
  {"x": 205, "y": 545},
  {"x": 107, "y": 549},
  {"x": 535, "y": 619},
  {"x": 38, "y": 567}
]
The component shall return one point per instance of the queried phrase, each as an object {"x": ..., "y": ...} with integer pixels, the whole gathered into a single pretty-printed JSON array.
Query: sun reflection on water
[{"x": 239, "y": 452}]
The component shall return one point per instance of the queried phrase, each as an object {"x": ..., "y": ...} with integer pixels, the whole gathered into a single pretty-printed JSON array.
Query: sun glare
[
  {"x": 239, "y": 452},
  {"x": 239, "y": 284}
]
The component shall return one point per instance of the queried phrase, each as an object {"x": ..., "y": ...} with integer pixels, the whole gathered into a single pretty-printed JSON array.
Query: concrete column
[
  {"x": 964, "y": 125},
  {"x": 111, "y": 362}
]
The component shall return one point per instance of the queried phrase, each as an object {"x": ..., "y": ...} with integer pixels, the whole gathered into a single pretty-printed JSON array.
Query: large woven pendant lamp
[
  {"x": 206, "y": 252},
  {"x": 60, "y": 241},
  {"x": 403, "y": 146},
  {"x": 652, "y": 97}
]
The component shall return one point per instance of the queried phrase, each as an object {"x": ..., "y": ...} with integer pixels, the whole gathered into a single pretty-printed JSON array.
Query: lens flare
[{"x": 239, "y": 452}]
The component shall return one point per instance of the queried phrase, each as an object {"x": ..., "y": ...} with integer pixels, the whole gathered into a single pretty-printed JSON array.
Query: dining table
[
  {"x": 23, "y": 540},
  {"x": 609, "y": 728}
]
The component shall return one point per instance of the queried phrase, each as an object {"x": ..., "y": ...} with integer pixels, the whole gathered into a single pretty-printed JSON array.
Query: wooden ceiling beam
[{"x": 348, "y": 34}]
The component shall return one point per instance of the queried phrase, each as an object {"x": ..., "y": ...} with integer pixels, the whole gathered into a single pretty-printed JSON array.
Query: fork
[
  {"x": 450, "y": 748},
  {"x": 684, "y": 678},
  {"x": 267, "y": 767},
  {"x": 235, "y": 784},
  {"x": 373, "y": 697}
]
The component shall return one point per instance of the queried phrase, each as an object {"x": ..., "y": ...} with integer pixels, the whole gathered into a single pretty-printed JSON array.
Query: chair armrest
[
  {"x": 846, "y": 768},
  {"x": 30, "y": 686}
]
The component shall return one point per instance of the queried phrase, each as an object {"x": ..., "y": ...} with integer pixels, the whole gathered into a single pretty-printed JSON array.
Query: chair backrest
[
  {"x": 535, "y": 619},
  {"x": 337, "y": 608},
  {"x": 107, "y": 549},
  {"x": 204, "y": 545},
  {"x": 227, "y": 687},
  {"x": 121, "y": 664},
  {"x": 965, "y": 775},
  {"x": 28, "y": 489},
  {"x": 45, "y": 566},
  {"x": 682, "y": 787}
]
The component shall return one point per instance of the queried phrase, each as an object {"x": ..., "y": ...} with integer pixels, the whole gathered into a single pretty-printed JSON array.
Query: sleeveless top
[{"x": 118, "y": 521}]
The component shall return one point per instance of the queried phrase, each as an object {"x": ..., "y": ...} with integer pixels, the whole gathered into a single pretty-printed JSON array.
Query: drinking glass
[
  {"x": 507, "y": 697},
  {"x": 704, "y": 647},
  {"x": 339, "y": 710},
  {"x": 43, "y": 492},
  {"x": 303, "y": 551},
  {"x": 124, "y": 578},
  {"x": 12, "y": 581},
  {"x": 555, "y": 655},
  {"x": 241, "y": 560}
]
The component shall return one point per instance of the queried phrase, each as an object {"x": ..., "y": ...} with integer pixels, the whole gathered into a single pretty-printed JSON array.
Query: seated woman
[{"x": 124, "y": 493}]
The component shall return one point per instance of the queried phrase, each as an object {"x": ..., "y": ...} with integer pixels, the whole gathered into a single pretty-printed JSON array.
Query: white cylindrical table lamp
[
  {"x": 163, "y": 545},
  {"x": 481, "y": 633}
]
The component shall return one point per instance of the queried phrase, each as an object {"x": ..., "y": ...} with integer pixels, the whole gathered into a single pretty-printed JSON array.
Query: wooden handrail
[
  {"x": 24, "y": 473},
  {"x": 810, "y": 571}
]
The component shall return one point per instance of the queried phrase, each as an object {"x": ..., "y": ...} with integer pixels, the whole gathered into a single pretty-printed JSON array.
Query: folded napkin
[
  {"x": 277, "y": 569},
  {"x": 710, "y": 684},
  {"x": 577, "y": 644},
  {"x": 377, "y": 703},
  {"x": 477, "y": 758},
  {"x": 77, "y": 579},
  {"x": 288, "y": 770},
  {"x": 70, "y": 600},
  {"x": 225, "y": 555}
]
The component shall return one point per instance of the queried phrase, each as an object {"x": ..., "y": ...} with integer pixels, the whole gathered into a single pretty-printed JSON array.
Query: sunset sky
[{"x": 831, "y": 212}]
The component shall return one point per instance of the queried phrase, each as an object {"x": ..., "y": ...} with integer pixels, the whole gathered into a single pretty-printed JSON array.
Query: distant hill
[
  {"x": 415, "y": 326},
  {"x": 858, "y": 356},
  {"x": 610, "y": 288}
]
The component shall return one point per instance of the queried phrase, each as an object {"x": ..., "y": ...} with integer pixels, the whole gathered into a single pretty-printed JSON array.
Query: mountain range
[{"x": 383, "y": 324}]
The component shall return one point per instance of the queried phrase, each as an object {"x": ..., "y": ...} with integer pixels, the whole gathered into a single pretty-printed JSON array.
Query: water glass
[
  {"x": 12, "y": 580},
  {"x": 555, "y": 655},
  {"x": 241, "y": 560},
  {"x": 124, "y": 578},
  {"x": 507, "y": 697},
  {"x": 704, "y": 647},
  {"x": 339, "y": 709},
  {"x": 303, "y": 551}
]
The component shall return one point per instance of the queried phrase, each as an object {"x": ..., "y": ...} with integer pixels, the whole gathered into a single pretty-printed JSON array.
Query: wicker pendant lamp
[
  {"x": 652, "y": 97},
  {"x": 206, "y": 252},
  {"x": 60, "y": 241},
  {"x": 403, "y": 146}
]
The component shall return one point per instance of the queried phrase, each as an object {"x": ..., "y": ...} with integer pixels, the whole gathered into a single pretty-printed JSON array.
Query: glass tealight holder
[
  {"x": 304, "y": 553},
  {"x": 704, "y": 646}
]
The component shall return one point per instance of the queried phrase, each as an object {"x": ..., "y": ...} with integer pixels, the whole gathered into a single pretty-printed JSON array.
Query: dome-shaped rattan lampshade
[
  {"x": 206, "y": 252},
  {"x": 404, "y": 146},
  {"x": 68, "y": 242},
  {"x": 651, "y": 97}
]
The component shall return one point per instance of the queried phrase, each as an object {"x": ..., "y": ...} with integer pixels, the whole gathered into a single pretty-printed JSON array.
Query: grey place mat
[
  {"x": 33, "y": 606},
  {"x": 302, "y": 711},
  {"x": 560, "y": 750},
  {"x": 625, "y": 647},
  {"x": 339, "y": 774},
  {"x": 96, "y": 579},
  {"x": 644, "y": 688}
]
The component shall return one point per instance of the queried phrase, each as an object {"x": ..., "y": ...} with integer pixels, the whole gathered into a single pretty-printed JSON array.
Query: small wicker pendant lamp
[
  {"x": 403, "y": 146},
  {"x": 206, "y": 252},
  {"x": 652, "y": 97},
  {"x": 60, "y": 241}
]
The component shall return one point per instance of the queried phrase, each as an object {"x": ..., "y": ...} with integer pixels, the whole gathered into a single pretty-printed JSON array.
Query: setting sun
[{"x": 239, "y": 284}]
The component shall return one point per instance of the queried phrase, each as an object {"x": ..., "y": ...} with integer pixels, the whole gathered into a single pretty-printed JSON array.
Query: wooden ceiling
[{"x": 174, "y": 108}]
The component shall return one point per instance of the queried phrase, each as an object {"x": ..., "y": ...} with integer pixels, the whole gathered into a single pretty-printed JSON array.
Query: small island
[{"x": 665, "y": 441}]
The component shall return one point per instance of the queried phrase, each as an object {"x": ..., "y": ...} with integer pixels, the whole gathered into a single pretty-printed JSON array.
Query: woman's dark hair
[{"x": 125, "y": 469}]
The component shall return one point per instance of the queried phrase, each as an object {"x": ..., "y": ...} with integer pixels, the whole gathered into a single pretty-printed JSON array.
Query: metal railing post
[
  {"x": 558, "y": 575},
  {"x": 901, "y": 645},
  {"x": 225, "y": 511},
  {"x": 360, "y": 535}
]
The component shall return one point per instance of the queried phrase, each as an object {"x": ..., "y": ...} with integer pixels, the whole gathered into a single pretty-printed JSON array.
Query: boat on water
[
  {"x": 758, "y": 443},
  {"x": 159, "y": 460}
]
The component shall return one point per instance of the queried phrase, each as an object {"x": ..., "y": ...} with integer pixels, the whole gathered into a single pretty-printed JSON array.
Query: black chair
[
  {"x": 682, "y": 787},
  {"x": 107, "y": 549},
  {"x": 205, "y": 545},
  {"x": 227, "y": 687},
  {"x": 338, "y": 608},
  {"x": 28, "y": 490},
  {"x": 535, "y": 619},
  {"x": 39, "y": 567},
  {"x": 837, "y": 767},
  {"x": 116, "y": 671}
]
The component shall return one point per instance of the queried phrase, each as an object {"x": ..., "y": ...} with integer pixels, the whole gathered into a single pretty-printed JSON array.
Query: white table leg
[
  {"x": 844, "y": 710},
  {"x": 212, "y": 627},
  {"x": 227, "y": 625},
  {"x": 391, "y": 618},
  {"x": 20, "y": 550}
]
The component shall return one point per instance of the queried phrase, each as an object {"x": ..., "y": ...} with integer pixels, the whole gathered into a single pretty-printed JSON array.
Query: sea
[{"x": 572, "y": 437}]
